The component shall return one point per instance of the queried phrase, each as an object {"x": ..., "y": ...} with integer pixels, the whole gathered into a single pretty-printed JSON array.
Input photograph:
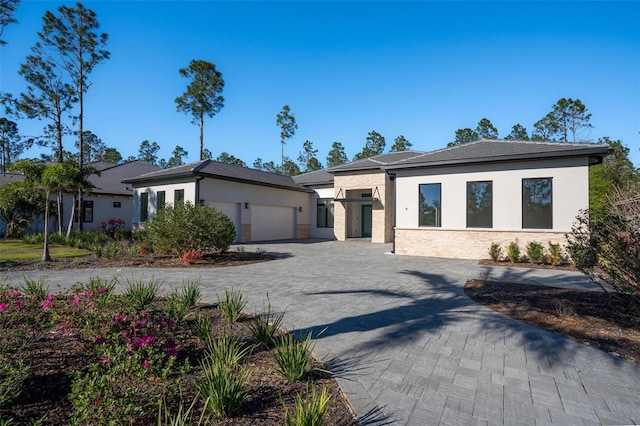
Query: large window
[
  {"x": 430, "y": 205},
  {"x": 537, "y": 203},
  {"x": 480, "y": 204},
  {"x": 144, "y": 206},
  {"x": 325, "y": 213},
  {"x": 161, "y": 197},
  {"x": 178, "y": 197}
]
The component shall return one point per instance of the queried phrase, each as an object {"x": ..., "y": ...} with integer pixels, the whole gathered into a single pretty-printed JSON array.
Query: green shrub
[
  {"x": 513, "y": 251},
  {"x": 555, "y": 254},
  {"x": 185, "y": 227},
  {"x": 232, "y": 304},
  {"x": 11, "y": 376},
  {"x": 311, "y": 411},
  {"x": 607, "y": 249},
  {"x": 295, "y": 358},
  {"x": 495, "y": 251},
  {"x": 535, "y": 252}
]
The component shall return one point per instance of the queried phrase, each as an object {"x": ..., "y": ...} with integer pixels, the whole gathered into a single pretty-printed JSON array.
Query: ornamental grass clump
[
  {"x": 140, "y": 294},
  {"x": 222, "y": 386},
  {"x": 295, "y": 358},
  {"x": 310, "y": 410},
  {"x": 232, "y": 304},
  {"x": 202, "y": 327},
  {"x": 495, "y": 252},
  {"x": 266, "y": 325},
  {"x": 34, "y": 288}
]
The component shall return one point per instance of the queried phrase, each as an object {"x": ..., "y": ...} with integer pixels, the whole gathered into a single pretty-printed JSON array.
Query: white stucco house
[
  {"x": 453, "y": 202},
  {"x": 109, "y": 197}
]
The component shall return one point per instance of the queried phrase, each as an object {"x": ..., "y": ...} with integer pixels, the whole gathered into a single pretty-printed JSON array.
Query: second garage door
[
  {"x": 272, "y": 223},
  {"x": 232, "y": 210}
]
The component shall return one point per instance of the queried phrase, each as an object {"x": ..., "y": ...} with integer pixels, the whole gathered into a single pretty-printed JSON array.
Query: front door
[{"x": 366, "y": 220}]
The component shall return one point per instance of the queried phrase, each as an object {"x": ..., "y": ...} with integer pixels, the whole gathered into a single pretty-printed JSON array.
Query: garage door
[
  {"x": 232, "y": 210},
  {"x": 272, "y": 223}
]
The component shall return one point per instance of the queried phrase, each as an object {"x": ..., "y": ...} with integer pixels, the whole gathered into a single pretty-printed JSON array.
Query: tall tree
[
  {"x": 308, "y": 157},
  {"x": 289, "y": 168},
  {"x": 287, "y": 123},
  {"x": 206, "y": 155},
  {"x": 227, "y": 158},
  {"x": 616, "y": 171},
  {"x": 486, "y": 129},
  {"x": 400, "y": 144},
  {"x": 78, "y": 49},
  {"x": 94, "y": 148},
  {"x": 47, "y": 97},
  {"x": 270, "y": 166},
  {"x": 567, "y": 121},
  {"x": 465, "y": 135},
  {"x": 203, "y": 95},
  {"x": 374, "y": 145},
  {"x": 112, "y": 155},
  {"x": 11, "y": 145},
  {"x": 7, "y": 8},
  {"x": 545, "y": 129},
  {"x": 336, "y": 155},
  {"x": 518, "y": 133},
  {"x": 148, "y": 152},
  {"x": 177, "y": 157}
]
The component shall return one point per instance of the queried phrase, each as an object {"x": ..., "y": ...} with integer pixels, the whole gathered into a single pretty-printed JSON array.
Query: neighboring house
[
  {"x": 108, "y": 198},
  {"x": 452, "y": 202},
  {"x": 263, "y": 206}
]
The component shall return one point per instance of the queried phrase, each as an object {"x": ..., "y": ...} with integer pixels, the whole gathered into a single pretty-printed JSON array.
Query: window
[
  {"x": 87, "y": 212},
  {"x": 162, "y": 196},
  {"x": 117, "y": 204},
  {"x": 430, "y": 207},
  {"x": 480, "y": 204},
  {"x": 144, "y": 206},
  {"x": 178, "y": 197},
  {"x": 537, "y": 205},
  {"x": 325, "y": 213}
]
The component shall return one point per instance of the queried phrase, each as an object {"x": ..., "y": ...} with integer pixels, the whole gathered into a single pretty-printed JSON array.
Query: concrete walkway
[{"x": 408, "y": 346}]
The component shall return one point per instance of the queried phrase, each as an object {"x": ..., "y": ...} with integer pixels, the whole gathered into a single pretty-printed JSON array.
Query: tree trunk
[
  {"x": 73, "y": 212},
  {"x": 81, "y": 150},
  {"x": 201, "y": 137},
  {"x": 45, "y": 252},
  {"x": 60, "y": 218}
]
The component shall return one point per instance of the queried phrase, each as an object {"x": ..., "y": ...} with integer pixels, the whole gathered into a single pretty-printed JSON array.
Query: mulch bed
[
  {"x": 564, "y": 267},
  {"x": 605, "y": 321}
]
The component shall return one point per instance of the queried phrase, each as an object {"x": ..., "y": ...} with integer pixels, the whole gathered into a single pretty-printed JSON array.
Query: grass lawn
[{"x": 18, "y": 250}]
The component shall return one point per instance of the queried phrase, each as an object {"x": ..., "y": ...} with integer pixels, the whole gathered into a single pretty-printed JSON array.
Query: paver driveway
[{"x": 409, "y": 347}]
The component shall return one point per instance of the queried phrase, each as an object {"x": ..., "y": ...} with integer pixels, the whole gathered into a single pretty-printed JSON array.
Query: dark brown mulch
[
  {"x": 605, "y": 321},
  {"x": 230, "y": 258},
  {"x": 51, "y": 362},
  {"x": 563, "y": 267}
]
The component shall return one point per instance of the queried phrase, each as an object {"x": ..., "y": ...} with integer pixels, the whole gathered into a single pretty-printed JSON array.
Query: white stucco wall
[
  {"x": 189, "y": 187},
  {"x": 570, "y": 192}
]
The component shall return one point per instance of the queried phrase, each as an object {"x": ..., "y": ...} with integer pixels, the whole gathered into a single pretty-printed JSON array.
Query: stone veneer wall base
[{"x": 467, "y": 244}]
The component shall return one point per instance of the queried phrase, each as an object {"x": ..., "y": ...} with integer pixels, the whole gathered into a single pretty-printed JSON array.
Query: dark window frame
[
  {"x": 477, "y": 218},
  {"x": 178, "y": 196},
  {"x": 161, "y": 199},
  {"x": 543, "y": 217},
  {"x": 144, "y": 206},
  {"x": 437, "y": 213},
  {"x": 324, "y": 210}
]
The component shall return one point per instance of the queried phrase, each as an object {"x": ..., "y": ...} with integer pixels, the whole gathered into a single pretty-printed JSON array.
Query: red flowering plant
[
  {"x": 191, "y": 256},
  {"x": 111, "y": 226}
]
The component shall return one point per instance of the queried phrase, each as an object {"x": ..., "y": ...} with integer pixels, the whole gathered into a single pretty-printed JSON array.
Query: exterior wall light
[
  {"x": 300, "y": 209},
  {"x": 246, "y": 205}
]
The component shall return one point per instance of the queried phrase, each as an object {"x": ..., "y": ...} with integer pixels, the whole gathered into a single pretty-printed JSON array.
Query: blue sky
[{"x": 418, "y": 69}]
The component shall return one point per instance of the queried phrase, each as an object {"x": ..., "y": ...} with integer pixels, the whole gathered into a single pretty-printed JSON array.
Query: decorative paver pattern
[{"x": 409, "y": 347}]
